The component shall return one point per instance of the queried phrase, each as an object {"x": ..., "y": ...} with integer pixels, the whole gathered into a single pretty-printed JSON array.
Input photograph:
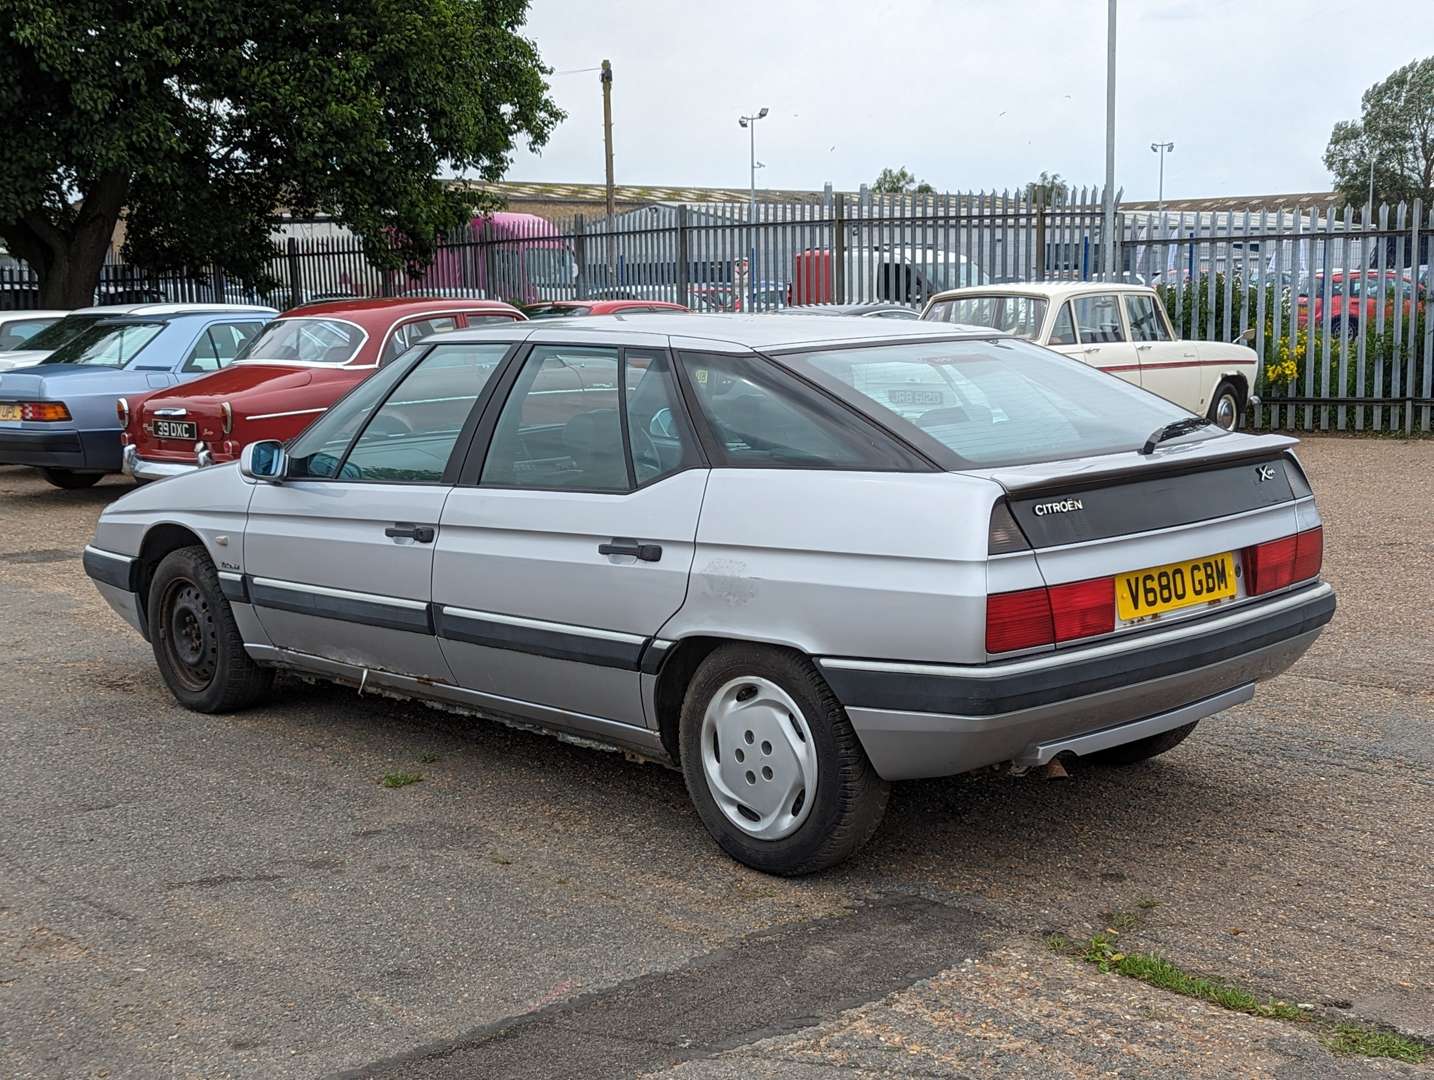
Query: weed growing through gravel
[
  {"x": 1104, "y": 952},
  {"x": 1351, "y": 1039},
  {"x": 401, "y": 779}
]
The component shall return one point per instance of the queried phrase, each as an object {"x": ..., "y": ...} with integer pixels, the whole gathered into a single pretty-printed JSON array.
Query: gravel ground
[{"x": 194, "y": 896}]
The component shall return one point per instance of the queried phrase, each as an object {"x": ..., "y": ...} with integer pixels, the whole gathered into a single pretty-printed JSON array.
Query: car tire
[
  {"x": 1336, "y": 327},
  {"x": 196, "y": 641},
  {"x": 793, "y": 729},
  {"x": 1225, "y": 406},
  {"x": 71, "y": 480},
  {"x": 1132, "y": 753}
]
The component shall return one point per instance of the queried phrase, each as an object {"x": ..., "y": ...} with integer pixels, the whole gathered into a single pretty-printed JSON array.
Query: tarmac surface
[{"x": 238, "y": 896}]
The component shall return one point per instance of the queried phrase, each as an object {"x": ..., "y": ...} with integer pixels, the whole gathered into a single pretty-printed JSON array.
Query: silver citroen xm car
[{"x": 797, "y": 558}]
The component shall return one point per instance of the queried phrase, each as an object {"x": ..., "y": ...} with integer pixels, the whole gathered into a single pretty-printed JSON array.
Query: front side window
[
  {"x": 1098, "y": 318},
  {"x": 762, "y": 418},
  {"x": 411, "y": 436},
  {"x": 992, "y": 403},
  {"x": 306, "y": 341},
  {"x": 1146, "y": 321},
  {"x": 1010, "y": 314},
  {"x": 219, "y": 345},
  {"x": 111, "y": 345}
]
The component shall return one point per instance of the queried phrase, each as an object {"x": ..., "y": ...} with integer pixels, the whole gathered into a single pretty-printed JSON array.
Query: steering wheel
[{"x": 646, "y": 461}]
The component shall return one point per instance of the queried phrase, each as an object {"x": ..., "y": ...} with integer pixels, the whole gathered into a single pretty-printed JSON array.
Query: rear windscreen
[{"x": 991, "y": 403}]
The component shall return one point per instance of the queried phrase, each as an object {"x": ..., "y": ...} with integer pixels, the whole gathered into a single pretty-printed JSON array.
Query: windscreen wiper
[{"x": 1171, "y": 431}]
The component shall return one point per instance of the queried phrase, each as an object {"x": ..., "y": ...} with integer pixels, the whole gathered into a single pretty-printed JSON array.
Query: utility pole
[
  {"x": 1110, "y": 142},
  {"x": 606, "y": 78},
  {"x": 1162, "y": 148}
]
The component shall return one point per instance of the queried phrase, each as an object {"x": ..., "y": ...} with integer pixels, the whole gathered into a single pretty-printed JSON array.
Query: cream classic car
[{"x": 1122, "y": 329}]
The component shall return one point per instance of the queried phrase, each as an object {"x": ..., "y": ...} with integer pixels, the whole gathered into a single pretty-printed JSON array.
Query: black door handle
[
  {"x": 424, "y": 534},
  {"x": 622, "y": 546}
]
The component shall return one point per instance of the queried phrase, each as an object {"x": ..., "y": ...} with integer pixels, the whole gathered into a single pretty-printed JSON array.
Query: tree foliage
[
  {"x": 1049, "y": 187},
  {"x": 199, "y": 119},
  {"x": 1396, "y": 126},
  {"x": 900, "y": 182}
]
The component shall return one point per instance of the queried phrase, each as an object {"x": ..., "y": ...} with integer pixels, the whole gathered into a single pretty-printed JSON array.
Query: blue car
[{"x": 63, "y": 414}]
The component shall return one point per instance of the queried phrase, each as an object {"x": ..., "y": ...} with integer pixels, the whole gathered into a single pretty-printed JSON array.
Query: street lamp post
[
  {"x": 750, "y": 123},
  {"x": 1162, "y": 148},
  {"x": 1110, "y": 141}
]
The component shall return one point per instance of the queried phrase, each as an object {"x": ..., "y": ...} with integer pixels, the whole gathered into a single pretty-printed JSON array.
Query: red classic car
[
  {"x": 1366, "y": 292},
  {"x": 563, "y": 309},
  {"x": 289, "y": 373}
]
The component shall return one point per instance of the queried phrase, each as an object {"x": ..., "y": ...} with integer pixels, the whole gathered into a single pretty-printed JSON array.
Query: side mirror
[
  {"x": 1245, "y": 336},
  {"x": 661, "y": 425},
  {"x": 265, "y": 461}
]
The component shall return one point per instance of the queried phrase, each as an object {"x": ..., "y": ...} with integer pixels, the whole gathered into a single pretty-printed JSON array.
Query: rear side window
[
  {"x": 219, "y": 345},
  {"x": 760, "y": 417},
  {"x": 409, "y": 334},
  {"x": 991, "y": 403}
]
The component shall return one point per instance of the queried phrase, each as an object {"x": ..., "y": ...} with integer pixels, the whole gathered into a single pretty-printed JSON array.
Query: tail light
[
  {"x": 1031, "y": 617},
  {"x": 1277, "y": 563},
  {"x": 1018, "y": 620},
  {"x": 1083, "y": 608},
  {"x": 44, "y": 410},
  {"x": 122, "y": 411}
]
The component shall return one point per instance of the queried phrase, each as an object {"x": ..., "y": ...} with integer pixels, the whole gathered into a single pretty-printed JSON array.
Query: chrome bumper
[
  {"x": 922, "y": 720},
  {"x": 141, "y": 469}
]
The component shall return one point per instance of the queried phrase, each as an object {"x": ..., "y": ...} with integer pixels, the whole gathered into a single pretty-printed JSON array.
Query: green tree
[
  {"x": 1396, "y": 127},
  {"x": 198, "y": 120},
  {"x": 900, "y": 182},
  {"x": 1050, "y": 187}
]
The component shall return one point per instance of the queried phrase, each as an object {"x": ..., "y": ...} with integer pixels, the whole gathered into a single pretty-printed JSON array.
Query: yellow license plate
[
  {"x": 1176, "y": 585},
  {"x": 9, "y": 412}
]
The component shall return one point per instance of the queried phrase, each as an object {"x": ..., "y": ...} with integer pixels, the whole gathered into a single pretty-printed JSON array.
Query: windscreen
[
  {"x": 992, "y": 403},
  {"x": 555, "y": 311},
  {"x": 56, "y": 334},
  {"x": 305, "y": 341},
  {"x": 111, "y": 345}
]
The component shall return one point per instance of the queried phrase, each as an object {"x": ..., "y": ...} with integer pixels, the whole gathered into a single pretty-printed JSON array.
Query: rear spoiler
[{"x": 1077, "y": 474}]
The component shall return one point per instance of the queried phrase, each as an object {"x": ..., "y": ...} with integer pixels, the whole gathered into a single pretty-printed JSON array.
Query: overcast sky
[{"x": 967, "y": 94}]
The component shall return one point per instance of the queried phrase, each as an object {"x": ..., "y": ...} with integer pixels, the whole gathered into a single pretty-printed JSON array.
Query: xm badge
[{"x": 1263, "y": 473}]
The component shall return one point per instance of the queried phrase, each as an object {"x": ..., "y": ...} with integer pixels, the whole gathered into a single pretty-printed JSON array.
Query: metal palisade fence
[{"x": 1338, "y": 297}]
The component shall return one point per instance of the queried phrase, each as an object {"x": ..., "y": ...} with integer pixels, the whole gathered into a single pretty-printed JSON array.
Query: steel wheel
[
  {"x": 759, "y": 757},
  {"x": 189, "y": 637}
]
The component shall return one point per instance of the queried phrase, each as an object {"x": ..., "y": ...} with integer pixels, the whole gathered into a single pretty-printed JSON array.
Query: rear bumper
[
  {"x": 144, "y": 469},
  {"x": 918, "y": 720},
  {"x": 84, "y": 451}
]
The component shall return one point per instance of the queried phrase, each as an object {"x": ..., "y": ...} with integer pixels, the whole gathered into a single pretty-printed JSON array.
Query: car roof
[
  {"x": 14, "y": 316},
  {"x": 394, "y": 307},
  {"x": 169, "y": 309},
  {"x": 1054, "y": 291},
  {"x": 696, "y": 330},
  {"x": 840, "y": 309}
]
